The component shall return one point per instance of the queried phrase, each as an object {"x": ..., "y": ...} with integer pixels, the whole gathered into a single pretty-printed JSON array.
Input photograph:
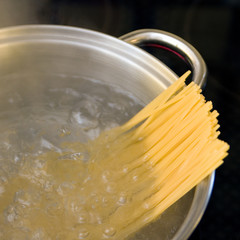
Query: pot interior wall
[{"x": 78, "y": 60}]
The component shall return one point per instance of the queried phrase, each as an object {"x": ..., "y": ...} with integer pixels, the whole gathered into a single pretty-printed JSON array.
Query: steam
[
  {"x": 19, "y": 12},
  {"x": 84, "y": 14}
]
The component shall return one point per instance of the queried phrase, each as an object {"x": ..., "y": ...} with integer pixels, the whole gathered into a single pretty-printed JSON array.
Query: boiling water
[{"x": 43, "y": 159}]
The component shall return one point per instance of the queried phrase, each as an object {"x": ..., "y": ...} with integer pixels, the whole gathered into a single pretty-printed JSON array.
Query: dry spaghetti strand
[{"x": 170, "y": 146}]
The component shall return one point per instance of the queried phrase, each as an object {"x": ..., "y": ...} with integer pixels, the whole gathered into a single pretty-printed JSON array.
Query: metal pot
[{"x": 73, "y": 51}]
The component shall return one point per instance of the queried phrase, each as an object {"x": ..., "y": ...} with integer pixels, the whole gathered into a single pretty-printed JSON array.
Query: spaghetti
[{"x": 161, "y": 153}]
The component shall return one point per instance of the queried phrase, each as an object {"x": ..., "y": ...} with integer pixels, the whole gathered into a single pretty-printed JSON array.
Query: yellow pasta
[{"x": 169, "y": 147}]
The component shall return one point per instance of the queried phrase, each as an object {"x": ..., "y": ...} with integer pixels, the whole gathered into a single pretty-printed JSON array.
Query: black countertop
[{"x": 212, "y": 27}]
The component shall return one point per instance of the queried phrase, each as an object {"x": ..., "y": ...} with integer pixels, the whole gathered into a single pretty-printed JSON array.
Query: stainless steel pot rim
[{"x": 101, "y": 41}]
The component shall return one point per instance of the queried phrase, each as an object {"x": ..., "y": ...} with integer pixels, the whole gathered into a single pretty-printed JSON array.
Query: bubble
[
  {"x": 13, "y": 215},
  {"x": 17, "y": 158},
  {"x": 146, "y": 205},
  {"x": 115, "y": 106},
  {"x": 48, "y": 186},
  {"x": 83, "y": 233},
  {"x": 48, "y": 145},
  {"x": 15, "y": 98},
  {"x": 77, "y": 208},
  {"x": 173, "y": 229},
  {"x": 146, "y": 156},
  {"x": 135, "y": 178},
  {"x": 96, "y": 217},
  {"x": 83, "y": 156},
  {"x": 122, "y": 199},
  {"x": 23, "y": 197},
  {"x": 39, "y": 164},
  {"x": 65, "y": 188},
  {"x": 87, "y": 179},
  {"x": 85, "y": 122},
  {"x": 109, "y": 232},
  {"x": 99, "y": 219},
  {"x": 83, "y": 217},
  {"x": 111, "y": 187},
  {"x": 105, "y": 201},
  {"x": 3, "y": 179},
  {"x": 106, "y": 176},
  {"x": 149, "y": 165},
  {"x": 64, "y": 131},
  {"x": 78, "y": 156},
  {"x": 72, "y": 92}
]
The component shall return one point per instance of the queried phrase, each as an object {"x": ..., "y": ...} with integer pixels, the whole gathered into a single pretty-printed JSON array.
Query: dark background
[{"x": 212, "y": 27}]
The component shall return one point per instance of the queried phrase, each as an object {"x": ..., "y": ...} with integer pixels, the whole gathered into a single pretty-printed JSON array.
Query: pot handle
[{"x": 172, "y": 43}]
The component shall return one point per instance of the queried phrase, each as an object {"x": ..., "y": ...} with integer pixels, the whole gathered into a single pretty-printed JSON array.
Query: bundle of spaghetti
[{"x": 159, "y": 155}]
